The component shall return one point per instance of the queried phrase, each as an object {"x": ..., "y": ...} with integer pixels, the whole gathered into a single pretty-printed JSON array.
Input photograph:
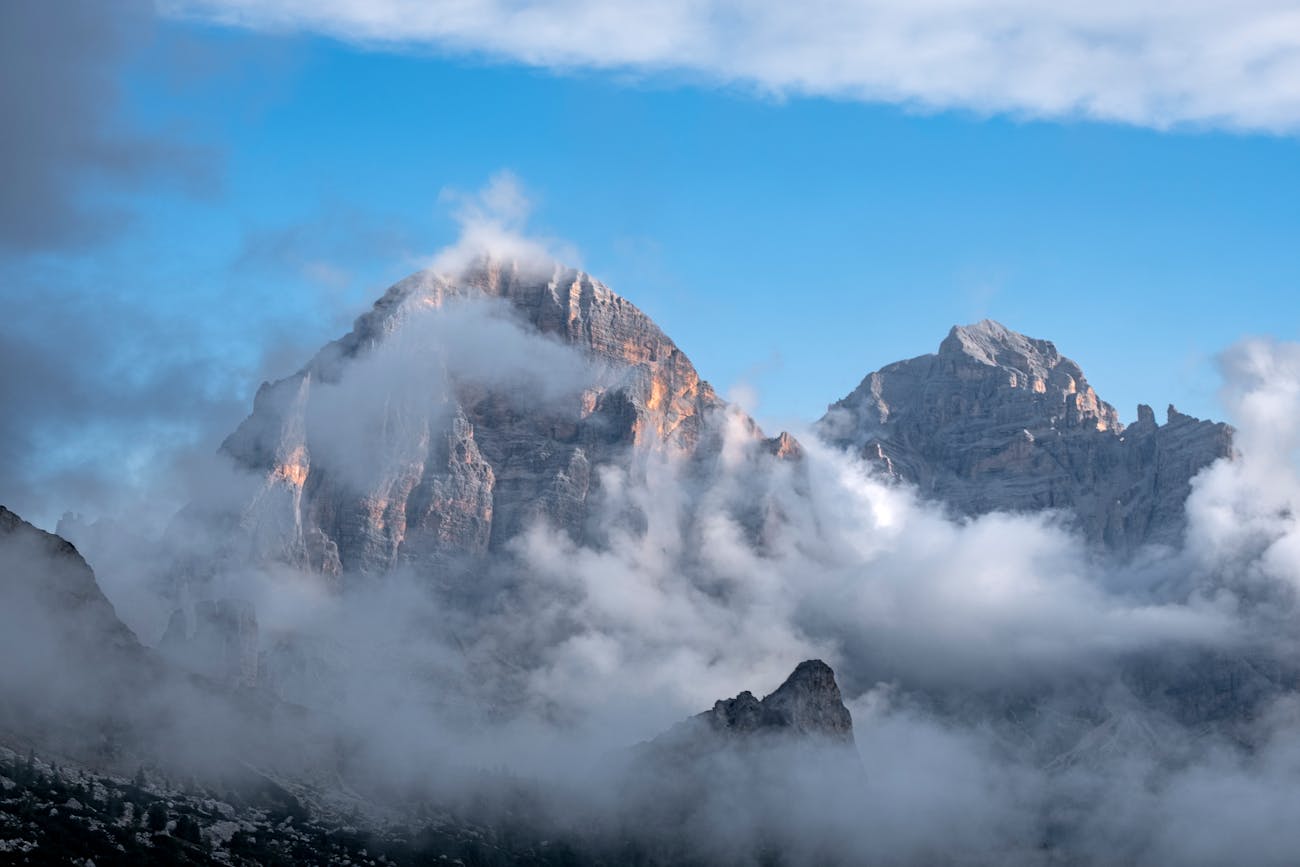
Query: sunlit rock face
[
  {"x": 996, "y": 420},
  {"x": 458, "y": 448}
]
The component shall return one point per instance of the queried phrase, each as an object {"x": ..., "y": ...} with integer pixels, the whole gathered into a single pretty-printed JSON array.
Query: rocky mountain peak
[
  {"x": 808, "y": 703},
  {"x": 998, "y": 421},
  {"x": 992, "y": 343},
  {"x": 554, "y": 299},
  {"x": 455, "y": 470},
  {"x": 48, "y": 588}
]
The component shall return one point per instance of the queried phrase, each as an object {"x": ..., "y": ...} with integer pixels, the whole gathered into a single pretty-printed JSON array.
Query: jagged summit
[
  {"x": 1030, "y": 364},
  {"x": 993, "y": 343},
  {"x": 998, "y": 421},
  {"x": 44, "y": 578},
  {"x": 807, "y": 704},
  {"x": 1032, "y": 381},
  {"x": 557, "y": 300},
  {"x": 807, "y": 707},
  {"x": 445, "y": 451}
]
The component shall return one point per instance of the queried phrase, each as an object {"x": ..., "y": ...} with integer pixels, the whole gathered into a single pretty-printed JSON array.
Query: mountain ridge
[
  {"x": 468, "y": 464},
  {"x": 998, "y": 421}
]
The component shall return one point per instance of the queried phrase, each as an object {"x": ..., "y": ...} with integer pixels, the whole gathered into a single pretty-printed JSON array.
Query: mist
[{"x": 999, "y": 669}]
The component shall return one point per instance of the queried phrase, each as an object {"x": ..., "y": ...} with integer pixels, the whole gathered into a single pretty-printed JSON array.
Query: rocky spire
[
  {"x": 809, "y": 702},
  {"x": 807, "y": 705}
]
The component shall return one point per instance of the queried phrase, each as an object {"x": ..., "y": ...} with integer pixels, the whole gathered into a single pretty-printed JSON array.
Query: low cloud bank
[{"x": 1017, "y": 694}]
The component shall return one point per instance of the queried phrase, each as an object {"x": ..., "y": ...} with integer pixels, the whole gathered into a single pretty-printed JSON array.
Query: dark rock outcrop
[
  {"x": 807, "y": 709},
  {"x": 777, "y": 773},
  {"x": 808, "y": 704},
  {"x": 72, "y": 672},
  {"x": 50, "y": 601},
  {"x": 996, "y": 421}
]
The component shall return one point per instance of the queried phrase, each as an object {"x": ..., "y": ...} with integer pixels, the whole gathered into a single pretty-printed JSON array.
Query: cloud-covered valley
[{"x": 1020, "y": 693}]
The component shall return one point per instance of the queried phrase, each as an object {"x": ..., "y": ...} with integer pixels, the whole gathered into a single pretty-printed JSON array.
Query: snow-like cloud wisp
[{"x": 1203, "y": 63}]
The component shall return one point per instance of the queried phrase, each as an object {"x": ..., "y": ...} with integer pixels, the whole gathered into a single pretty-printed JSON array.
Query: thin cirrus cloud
[{"x": 1200, "y": 63}]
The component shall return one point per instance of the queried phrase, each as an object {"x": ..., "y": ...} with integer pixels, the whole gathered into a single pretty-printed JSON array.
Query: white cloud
[
  {"x": 1147, "y": 62},
  {"x": 493, "y": 222}
]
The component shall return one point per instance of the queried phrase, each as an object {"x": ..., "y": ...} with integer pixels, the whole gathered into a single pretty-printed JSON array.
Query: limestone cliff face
[
  {"x": 455, "y": 471},
  {"x": 996, "y": 420}
]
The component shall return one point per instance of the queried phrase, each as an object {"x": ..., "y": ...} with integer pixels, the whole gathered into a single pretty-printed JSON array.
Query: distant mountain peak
[
  {"x": 992, "y": 343},
  {"x": 808, "y": 703},
  {"x": 979, "y": 370},
  {"x": 999, "y": 421},
  {"x": 807, "y": 708},
  {"x": 463, "y": 467}
]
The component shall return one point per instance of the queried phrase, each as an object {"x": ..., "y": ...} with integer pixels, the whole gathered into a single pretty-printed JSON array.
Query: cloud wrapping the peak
[
  {"x": 493, "y": 222},
  {"x": 1228, "y": 65}
]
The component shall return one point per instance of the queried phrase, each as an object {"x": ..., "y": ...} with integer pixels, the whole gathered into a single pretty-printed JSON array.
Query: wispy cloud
[
  {"x": 1200, "y": 62},
  {"x": 494, "y": 221},
  {"x": 65, "y": 132}
]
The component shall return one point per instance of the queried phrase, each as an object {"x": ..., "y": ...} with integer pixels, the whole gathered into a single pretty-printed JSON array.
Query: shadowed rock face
[
  {"x": 768, "y": 770},
  {"x": 72, "y": 672},
  {"x": 807, "y": 709},
  {"x": 996, "y": 420},
  {"x": 48, "y": 592},
  {"x": 807, "y": 704},
  {"x": 461, "y": 472}
]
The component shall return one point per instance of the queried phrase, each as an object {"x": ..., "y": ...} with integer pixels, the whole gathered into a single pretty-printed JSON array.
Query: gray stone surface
[
  {"x": 808, "y": 703},
  {"x": 807, "y": 706},
  {"x": 464, "y": 474},
  {"x": 996, "y": 420},
  {"x": 48, "y": 592}
]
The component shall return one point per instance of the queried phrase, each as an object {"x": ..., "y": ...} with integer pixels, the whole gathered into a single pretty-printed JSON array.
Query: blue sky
[
  {"x": 790, "y": 240},
  {"x": 794, "y": 244}
]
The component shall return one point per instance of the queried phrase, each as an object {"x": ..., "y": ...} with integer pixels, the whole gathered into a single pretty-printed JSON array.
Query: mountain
[
  {"x": 461, "y": 411},
  {"x": 808, "y": 704},
  {"x": 996, "y": 420},
  {"x": 46, "y": 583},
  {"x": 363, "y": 473},
  {"x": 70, "y": 814},
  {"x": 752, "y": 781},
  {"x": 69, "y": 663}
]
